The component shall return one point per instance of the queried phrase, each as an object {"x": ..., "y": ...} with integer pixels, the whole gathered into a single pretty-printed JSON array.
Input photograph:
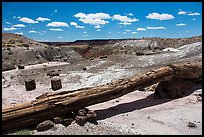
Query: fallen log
[{"x": 50, "y": 105}]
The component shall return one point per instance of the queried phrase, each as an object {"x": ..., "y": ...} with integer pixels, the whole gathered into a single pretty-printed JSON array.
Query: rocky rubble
[{"x": 81, "y": 117}]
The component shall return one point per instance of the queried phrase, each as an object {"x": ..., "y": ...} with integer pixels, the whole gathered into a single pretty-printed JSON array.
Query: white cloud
[
  {"x": 127, "y": 30},
  {"x": 96, "y": 19},
  {"x": 85, "y": 32},
  {"x": 194, "y": 19},
  {"x": 42, "y": 19},
  {"x": 80, "y": 27},
  {"x": 8, "y": 23},
  {"x": 55, "y": 11},
  {"x": 130, "y": 14},
  {"x": 134, "y": 32},
  {"x": 141, "y": 29},
  {"x": 156, "y": 28},
  {"x": 85, "y": 35},
  {"x": 10, "y": 29},
  {"x": 158, "y": 16},
  {"x": 27, "y": 20},
  {"x": 98, "y": 30},
  {"x": 194, "y": 14},
  {"x": 14, "y": 17},
  {"x": 124, "y": 19},
  {"x": 124, "y": 32},
  {"x": 32, "y": 31},
  {"x": 18, "y": 17},
  {"x": 75, "y": 24},
  {"x": 58, "y": 24},
  {"x": 20, "y": 33},
  {"x": 180, "y": 24},
  {"x": 182, "y": 13},
  {"x": 57, "y": 29},
  {"x": 19, "y": 25},
  {"x": 97, "y": 26},
  {"x": 59, "y": 37}
]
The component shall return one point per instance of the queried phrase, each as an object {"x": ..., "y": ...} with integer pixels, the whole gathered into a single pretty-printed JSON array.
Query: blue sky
[{"x": 69, "y": 21}]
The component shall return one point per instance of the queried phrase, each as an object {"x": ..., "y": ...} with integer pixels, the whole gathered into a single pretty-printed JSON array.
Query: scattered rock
[
  {"x": 191, "y": 125},
  {"x": 81, "y": 120},
  {"x": 91, "y": 116},
  {"x": 141, "y": 89},
  {"x": 84, "y": 68},
  {"x": 83, "y": 112},
  {"x": 101, "y": 57},
  {"x": 57, "y": 120},
  {"x": 66, "y": 122},
  {"x": 52, "y": 73},
  {"x": 21, "y": 67},
  {"x": 46, "y": 125},
  {"x": 174, "y": 88}
]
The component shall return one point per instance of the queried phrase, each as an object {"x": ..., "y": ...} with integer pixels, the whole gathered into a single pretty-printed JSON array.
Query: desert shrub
[
  {"x": 19, "y": 41},
  {"x": 9, "y": 45},
  {"x": 25, "y": 45},
  {"x": 11, "y": 41},
  {"x": 10, "y": 52}
]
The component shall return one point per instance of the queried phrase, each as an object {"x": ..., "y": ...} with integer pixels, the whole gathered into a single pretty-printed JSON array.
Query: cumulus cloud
[
  {"x": 58, "y": 29},
  {"x": 127, "y": 30},
  {"x": 154, "y": 28},
  {"x": 141, "y": 29},
  {"x": 188, "y": 13},
  {"x": 21, "y": 33},
  {"x": 194, "y": 19},
  {"x": 194, "y": 14},
  {"x": 158, "y": 16},
  {"x": 124, "y": 19},
  {"x": 98, "y": 30},
  {"x": 10, "y": 29},
  {"x": 182, "y": 13},
  {"x": 27, "y": 20},
  {"x": 57, "y": 24},
  {"x": 180, "y": 24},
  {"x": 75, "y": 24},
  {"x": 95, "y": 19},
  {"x": 59, "y": 37},
  {"x": 42, "y": 19},
  {"x": 134, "y": 32},
  {"x": 32, "y": 31},
  {"x": 130, "y": 14},
  {"x": 19, "y": 25}
]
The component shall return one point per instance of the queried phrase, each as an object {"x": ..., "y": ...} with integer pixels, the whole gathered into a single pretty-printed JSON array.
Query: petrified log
[
  {"x": 56, "y": 83},
  {"x": 50, "y": 105},
  {"x": 21, "y": 67},
  {"x": 30, "y": 84}
]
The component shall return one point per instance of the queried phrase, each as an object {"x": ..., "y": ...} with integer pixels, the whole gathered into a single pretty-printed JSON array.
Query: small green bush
[
  {"x": 10, "y": 52},
  {"x": 11, "y": 41},
  {"x": 25, "y": 45}
]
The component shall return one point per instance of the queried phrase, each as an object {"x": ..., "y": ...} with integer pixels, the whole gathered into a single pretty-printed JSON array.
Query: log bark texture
[{"x": 50, "y": 105}]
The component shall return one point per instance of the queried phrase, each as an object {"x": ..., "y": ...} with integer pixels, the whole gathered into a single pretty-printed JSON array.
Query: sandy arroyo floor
[{"x": 132, "y": 114}]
